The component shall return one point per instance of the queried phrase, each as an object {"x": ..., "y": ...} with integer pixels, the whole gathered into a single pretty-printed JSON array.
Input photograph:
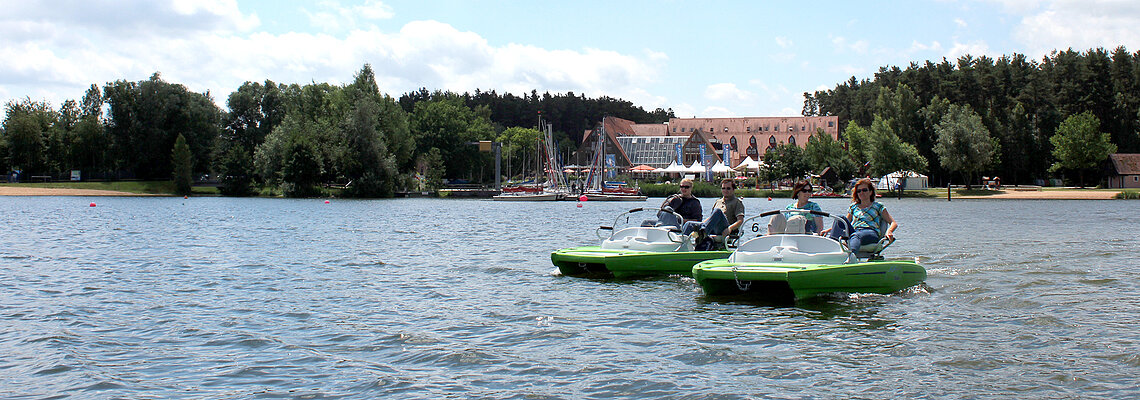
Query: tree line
[
  {"x": 1018, "y": 118},
  {"x": 292, "y": 139}
]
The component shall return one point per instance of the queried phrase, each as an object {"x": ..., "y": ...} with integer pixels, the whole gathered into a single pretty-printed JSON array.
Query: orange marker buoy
[
  {"x": 769, "y": 198},
  {"x": 186, "y": 197},
  {"x": 583, "y": 198},
  {"x": 92, "y": 204}
]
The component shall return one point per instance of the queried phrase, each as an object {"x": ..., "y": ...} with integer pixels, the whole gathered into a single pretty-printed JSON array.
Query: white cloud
[
  {"x": 375, "y": 9},
  {"x": 1019, "y": 6},
  {"x": 218, "y": 56},
  {"x": 331, "y": 16},
  {"x": 728, "y": 92},
  {"x": 1080, "y": 25},
  {"x": 848, "y": 69},
  {"x": 960, "y": 22},
  {"x": 922, "y": 47},
  {"x": 842, "y": 45},
  {"x": 783, "y": 42},
  {"x": 975, "y": 48},
  {"x": 716, "y": 112}
]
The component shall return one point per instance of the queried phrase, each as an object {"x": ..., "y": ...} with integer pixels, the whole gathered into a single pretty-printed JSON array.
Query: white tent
[
  {"x": 748, "y": 164},
  {"x": 696, "y": 168},
  {"x": 674, "y": 168},
  {"x": 720, "y": 168},
  {"x": 913, "y": 181}
]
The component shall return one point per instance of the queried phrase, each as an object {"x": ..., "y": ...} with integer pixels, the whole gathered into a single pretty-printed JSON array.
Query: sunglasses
[
  {"x": 862, "y": 190},
  {"x": 686, "y": 187}
]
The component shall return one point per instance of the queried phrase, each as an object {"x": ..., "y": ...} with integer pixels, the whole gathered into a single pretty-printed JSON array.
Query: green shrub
[{"x": 1128, "y": 195}]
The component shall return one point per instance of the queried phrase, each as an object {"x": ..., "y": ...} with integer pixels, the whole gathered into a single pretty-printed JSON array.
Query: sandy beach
[
  {"x": 1047, "y": 195},
  {"x": 35, "y": 191}
]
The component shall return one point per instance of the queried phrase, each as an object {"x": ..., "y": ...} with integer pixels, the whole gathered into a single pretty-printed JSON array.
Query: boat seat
[
  {"x": 872, "y": 250},
  {"x": 647, "y": 239},
  {"x": 791, "y": 248},
  {"x": 664, "y": 219},
  {"x": 780, "y": 224}
]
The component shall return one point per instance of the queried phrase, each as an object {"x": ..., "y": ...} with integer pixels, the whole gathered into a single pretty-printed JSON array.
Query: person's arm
[
  {"x": 736, "y": 225},
  {"x": 890, "y": 234}
]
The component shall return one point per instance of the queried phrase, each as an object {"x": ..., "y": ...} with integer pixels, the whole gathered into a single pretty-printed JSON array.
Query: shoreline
[{"x": 1075, "y": 194}]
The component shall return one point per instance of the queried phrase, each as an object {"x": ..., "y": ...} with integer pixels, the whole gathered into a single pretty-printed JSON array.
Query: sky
[{"x": 698, "y": 58}]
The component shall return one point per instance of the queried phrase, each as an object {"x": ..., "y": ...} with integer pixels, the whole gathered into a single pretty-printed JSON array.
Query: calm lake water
[{"x": 430, "y": 298}]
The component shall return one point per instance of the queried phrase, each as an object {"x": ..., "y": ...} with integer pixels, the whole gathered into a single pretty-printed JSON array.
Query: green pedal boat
[
  {"x": 795, "y": 266},
  {"x": 636, "y": 251}
]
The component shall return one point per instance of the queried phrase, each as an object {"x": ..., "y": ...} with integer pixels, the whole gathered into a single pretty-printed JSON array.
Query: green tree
[
  {"x": 822, "y": 151},
  {"x": 183, "y": 166},
  {"x": 788, "y": 161},
  {"x": 519, "y": 149},
  {"x": 236, "y": 172},
  {"x": 858, "y": 143},
  {"x": 1080, "y": 145},
  {"x": 889, "y": 153},
  {"x": 448, "y": 125},
  {"x": 368, "y": 164},
  {"x": 281, "y": 148},
  {"x": 302, "y": 168},
  {"x": 145, "y": 118},
  {"x": 28, "y": 132},
  {"x": 429, "y": 170},
  {"x": 964, "y": 144}
]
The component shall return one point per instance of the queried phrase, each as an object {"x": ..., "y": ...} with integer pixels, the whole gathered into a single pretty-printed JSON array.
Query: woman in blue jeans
[{"x": 866, "y": 216}]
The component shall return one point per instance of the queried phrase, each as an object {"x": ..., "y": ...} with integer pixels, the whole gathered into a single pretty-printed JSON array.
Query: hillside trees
[{"x": 1020, "y": 101}]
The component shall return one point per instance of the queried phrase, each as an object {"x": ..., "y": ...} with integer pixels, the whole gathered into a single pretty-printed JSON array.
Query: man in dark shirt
[{"x": 684, "y": 203}]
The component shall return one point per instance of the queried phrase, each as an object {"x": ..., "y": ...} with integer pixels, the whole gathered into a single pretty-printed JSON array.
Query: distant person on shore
[
  {"x": 866, "y": 216},
  {"x": 801, "y": 194}
]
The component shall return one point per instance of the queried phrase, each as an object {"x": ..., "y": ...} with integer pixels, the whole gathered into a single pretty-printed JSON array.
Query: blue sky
[{"x": 700, "y": 58}]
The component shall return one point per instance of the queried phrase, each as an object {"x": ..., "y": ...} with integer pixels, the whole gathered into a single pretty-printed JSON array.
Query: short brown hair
[
  {"x": 855, "y": 190},
  {"x": 801, "y": 186},
  {"x": 729, "y": 181}
]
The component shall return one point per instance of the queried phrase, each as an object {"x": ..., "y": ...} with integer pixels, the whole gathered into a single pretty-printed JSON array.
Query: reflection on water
[{"x": 218, "y": 297}]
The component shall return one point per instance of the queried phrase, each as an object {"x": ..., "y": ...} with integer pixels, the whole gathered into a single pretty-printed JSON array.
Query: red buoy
[
  {"x": 769, "y": 198},
  {"x": 583, "y": 198},
  {"x": 326, "y": 202},
  {"x": 92, "y": 204},
  {"x": 579, "y": 204}
]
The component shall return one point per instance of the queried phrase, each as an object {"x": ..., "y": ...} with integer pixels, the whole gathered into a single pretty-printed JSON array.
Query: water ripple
[{"x": 240, "y": 298}]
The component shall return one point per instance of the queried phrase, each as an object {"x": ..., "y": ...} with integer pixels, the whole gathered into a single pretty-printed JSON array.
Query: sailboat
[
  {"x": 555, "y": 187},
  {"x": 597, "y": 188}
]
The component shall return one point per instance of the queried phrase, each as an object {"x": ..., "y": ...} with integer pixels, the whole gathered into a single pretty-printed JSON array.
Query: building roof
[
  {"x": 1126, "y": 164},
  {"x": 650, "y": 129}
]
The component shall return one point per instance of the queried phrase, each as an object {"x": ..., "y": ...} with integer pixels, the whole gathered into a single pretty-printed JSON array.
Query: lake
[{"x": 431, "y": 298}]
